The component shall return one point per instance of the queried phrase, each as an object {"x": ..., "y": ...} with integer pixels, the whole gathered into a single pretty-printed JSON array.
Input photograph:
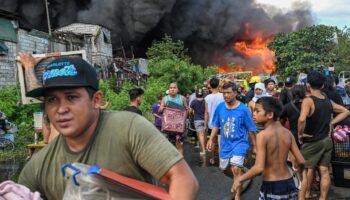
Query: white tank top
[{"x": 213, "y": 100}]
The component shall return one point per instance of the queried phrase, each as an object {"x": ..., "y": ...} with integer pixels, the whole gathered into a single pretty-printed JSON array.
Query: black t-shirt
[
  {"x": 199, "y": 108},
  {"x": 133, "y": 109},
  {"x": 334, "y": 96},
  {"x": 292, "y": 115},
  {"x": 241, "y": 98},
  {"x": 286, "y": 96}
]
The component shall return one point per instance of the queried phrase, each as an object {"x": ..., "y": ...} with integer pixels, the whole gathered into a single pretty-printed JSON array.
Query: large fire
[{"x": 257, "y": 57}]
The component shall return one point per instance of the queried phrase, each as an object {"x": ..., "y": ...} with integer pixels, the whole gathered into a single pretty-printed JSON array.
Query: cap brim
[{"x": 40, "y": 92}]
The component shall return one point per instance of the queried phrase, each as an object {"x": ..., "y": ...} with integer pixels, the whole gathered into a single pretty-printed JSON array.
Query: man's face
[
  {"x": 139, "y": 100},
  {"x": 270, "y": 86},
  {"x": 259, "y": 115},
  {"x": 229, "y": 95},
  {"x": 71, "y": 110},
  {"x": 173, "y": 89},
  {"x": 308, "y": 87}
]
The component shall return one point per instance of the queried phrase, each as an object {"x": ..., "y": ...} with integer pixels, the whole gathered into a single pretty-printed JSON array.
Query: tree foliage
[
  {"x": 342, "y": 50},
  {"x": 118, "y": 101},
  {"x": 167, "y": 48},
  {"x": 169, "y": 62},
  {"x": 21, "y": 115},
  {"x": 305, "y": 49}
]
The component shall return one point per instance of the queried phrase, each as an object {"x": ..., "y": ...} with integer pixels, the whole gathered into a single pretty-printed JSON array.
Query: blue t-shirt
[{"x": 234, "y": 126}]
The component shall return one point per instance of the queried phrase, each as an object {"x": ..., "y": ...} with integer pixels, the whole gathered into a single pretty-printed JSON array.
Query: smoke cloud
[{"x": 208, "y": 27}]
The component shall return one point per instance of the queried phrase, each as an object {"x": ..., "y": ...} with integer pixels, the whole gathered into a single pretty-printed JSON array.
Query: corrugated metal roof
[{"x": 7, "y": 31}]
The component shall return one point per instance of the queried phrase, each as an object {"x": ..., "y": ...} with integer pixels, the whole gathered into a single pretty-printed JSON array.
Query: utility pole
[{"x": 48, "y": 17}]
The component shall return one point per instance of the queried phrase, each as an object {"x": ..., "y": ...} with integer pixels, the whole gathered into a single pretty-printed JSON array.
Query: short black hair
[
  {"x": 316, "y": 79},
  {"x": 214, "y": 83},
  {"x": 270, "y": 104},
  {"x": 298, "y": 92},
  {"x": 199, "y": 93},
  {"x": 135, "y": 92},
  {"x": 269, "y": 80},
  {"x": 160, "y": 96},
  {"x": 230, "y": 85},
  {"x": 329, "y": 84}
]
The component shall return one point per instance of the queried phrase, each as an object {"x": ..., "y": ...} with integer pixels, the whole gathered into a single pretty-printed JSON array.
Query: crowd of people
[
  {"x": 277, "y": 122},
  {"x": 280, "y": 123}
]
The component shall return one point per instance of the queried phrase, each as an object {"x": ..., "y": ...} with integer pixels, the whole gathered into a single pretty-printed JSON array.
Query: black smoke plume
[{"x": 206, "y": 26}]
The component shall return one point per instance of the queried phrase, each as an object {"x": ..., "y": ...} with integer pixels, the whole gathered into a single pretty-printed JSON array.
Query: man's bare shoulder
[{"x": 308, "y": 100}]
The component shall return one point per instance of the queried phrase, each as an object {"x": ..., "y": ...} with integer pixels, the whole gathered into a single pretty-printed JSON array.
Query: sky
[{"x": 328, "y": 12}]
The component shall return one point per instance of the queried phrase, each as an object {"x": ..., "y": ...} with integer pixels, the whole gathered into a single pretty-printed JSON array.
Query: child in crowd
[{"x": 273, "y": 146}]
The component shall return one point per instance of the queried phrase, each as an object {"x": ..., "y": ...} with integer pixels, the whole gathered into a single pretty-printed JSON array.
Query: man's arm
[
  {"x": 259, "y": 165},
  {"x": 251, "y": 106},
  {"x": 29, "y": 62},
  {"x": 105, "y": 106},
  {"x": 297, "y": 154},
  {"x": 182, "y": 182},
  {"x": 342, "y": 113},
  {"x": 213, "y": 134},
  {"x": 304, "y": 112},
  {"x": 206, "y": 116},
  {"x": 185, "y": 103},
  {"x": 252, "y": 137}
]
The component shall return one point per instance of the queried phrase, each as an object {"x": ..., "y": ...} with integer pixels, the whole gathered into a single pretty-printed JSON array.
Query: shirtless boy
[{"x": 273, "y": 146}]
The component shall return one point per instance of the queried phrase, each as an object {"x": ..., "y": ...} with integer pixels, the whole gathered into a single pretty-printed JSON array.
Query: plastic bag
[{"x": 86, "y": 183}]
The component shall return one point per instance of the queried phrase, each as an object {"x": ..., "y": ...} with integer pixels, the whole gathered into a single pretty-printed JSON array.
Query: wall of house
[
  {"x": 8, "y": 68},
  {"x": 25, "y": 43},
  {"x": 103, "y": 52},
  {"x": 98, "y": 40},
  {"x": 98, "y": 49},
  {"x": 30, "y": 43}
]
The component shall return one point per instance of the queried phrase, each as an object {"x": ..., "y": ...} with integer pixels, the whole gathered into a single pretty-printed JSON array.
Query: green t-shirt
[{"x": 123, "y": 142}]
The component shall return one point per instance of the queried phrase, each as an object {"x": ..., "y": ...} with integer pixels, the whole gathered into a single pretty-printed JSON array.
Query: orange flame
[
  {"x": 259, "y": 57},
  {"x": 226, "y": 69},
  {"x": 255, "y": 53}
]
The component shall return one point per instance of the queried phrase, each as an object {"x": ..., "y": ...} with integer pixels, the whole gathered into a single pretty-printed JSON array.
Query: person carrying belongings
[
  {"x": 174, "y": 110},
  {"x": 123, "y": 142}
]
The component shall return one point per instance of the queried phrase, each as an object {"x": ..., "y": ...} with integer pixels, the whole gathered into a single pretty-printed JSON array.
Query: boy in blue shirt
[{"x": 235, "y": 122}]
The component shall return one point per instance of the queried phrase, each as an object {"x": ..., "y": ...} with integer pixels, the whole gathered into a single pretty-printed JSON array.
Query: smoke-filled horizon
[{"x": 208, "y": 27}]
